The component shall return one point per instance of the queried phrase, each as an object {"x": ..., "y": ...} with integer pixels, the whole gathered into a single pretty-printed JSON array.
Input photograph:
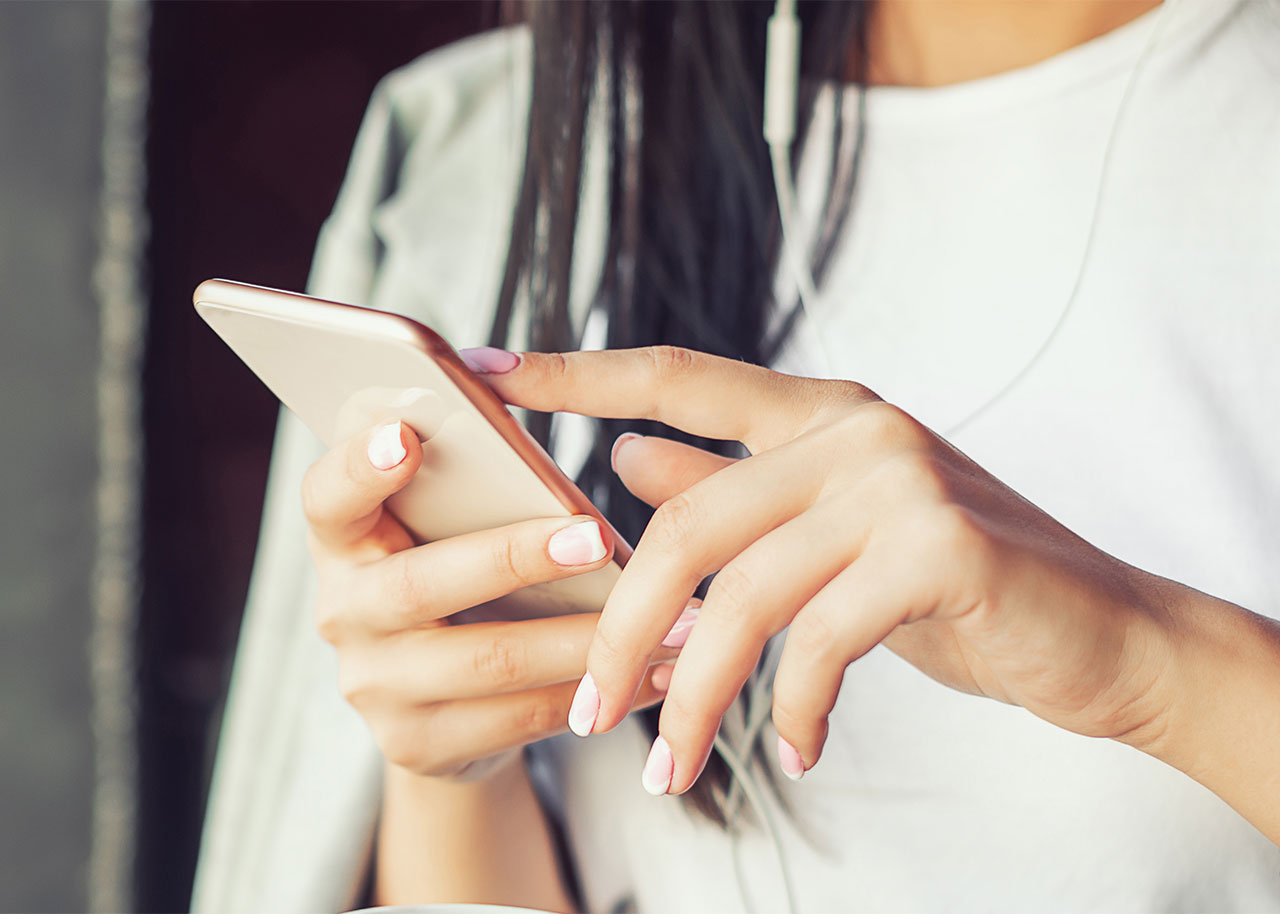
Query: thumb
[{"x": 655, "y": 469}]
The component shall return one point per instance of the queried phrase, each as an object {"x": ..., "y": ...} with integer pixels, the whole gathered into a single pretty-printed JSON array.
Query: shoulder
[
  {"x": 446, "y": 89},
  {"x": 464, "y": 96},
  {"x": 420, "y": 223},
  {"x": 472, "y": 59}
]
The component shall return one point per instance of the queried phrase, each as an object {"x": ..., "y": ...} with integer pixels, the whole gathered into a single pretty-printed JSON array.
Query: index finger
[{"x": 698, "y": 393}]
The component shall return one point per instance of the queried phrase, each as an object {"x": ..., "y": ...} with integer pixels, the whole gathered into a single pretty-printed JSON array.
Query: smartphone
[{"x": 342, "y": 368}]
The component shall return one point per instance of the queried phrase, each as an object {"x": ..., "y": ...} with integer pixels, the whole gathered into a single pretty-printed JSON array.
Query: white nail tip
[
  {"x": 577, "y": 544},
  {"x": 789, "y": 760},
  {"x": 585, "y": 707},
  {"x": 385, "y": 447},
  {"x": 658, "y": 768},
  {"x": 590, "y": 531}
]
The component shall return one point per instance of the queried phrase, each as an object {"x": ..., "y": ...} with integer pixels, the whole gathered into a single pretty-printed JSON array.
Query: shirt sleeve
[{"x": 294, "y": 798}]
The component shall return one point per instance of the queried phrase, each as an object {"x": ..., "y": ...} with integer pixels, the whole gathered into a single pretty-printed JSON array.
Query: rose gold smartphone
[{"x": 341, "y": 368}]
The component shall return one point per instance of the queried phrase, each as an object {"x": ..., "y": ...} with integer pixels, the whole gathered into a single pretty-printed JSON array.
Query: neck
[{"x": 940, "y": 42}]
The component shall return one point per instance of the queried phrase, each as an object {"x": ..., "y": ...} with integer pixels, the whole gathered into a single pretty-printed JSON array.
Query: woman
[{"x": 1054, "y": 259}]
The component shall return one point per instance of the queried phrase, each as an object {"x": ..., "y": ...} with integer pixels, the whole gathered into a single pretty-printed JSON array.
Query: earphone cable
[
  {"x": 781, "y": 80},
  {"x": 1086, "y": 256},
  {"x": 739, "y": 769}
]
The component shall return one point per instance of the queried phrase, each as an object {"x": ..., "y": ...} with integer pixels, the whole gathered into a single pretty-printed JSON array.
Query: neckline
[{"x": 1095, "y": 60}]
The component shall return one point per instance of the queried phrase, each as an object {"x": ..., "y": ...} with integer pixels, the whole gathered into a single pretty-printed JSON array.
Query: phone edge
[{"x": 434, "y": 346}]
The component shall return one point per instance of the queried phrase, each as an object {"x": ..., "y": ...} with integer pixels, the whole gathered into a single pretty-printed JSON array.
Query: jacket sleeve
[
  {"x": 294, "y": 798},
  {"x": 419, "y": 227}
]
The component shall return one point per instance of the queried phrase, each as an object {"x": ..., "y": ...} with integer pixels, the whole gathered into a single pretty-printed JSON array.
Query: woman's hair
[{"x": 693, "y": 238}]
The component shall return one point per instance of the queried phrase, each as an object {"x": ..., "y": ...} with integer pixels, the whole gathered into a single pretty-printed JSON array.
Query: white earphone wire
[{"x": 782, "y": 68}]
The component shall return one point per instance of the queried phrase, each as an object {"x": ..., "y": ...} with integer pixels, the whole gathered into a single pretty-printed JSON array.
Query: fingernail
[
  {"x": 577, "y": 544},
  {"x": 617, "y": 446},
  {"x": 585, "y": 707},
  {"x": 489, "y": 360},
  {"x": 386, "y": 450},
  {"x": 658, "y": 768},
  {"x": 661, "y": 676},
  {"x": 679, "y": 633},
  {"x": 789, "y": 760}
]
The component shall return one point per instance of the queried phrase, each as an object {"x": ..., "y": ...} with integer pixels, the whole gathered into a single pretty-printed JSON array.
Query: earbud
[
  {"x": 781, "y": 74},
  {"x": 781, "y": 86}
]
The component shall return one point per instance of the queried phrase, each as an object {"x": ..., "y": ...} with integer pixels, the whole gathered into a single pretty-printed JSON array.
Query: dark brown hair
[{"x": 693, "y": 236}]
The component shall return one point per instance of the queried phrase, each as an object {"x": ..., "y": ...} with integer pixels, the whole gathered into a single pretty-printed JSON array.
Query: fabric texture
[{"x": 1146, "y": 426}]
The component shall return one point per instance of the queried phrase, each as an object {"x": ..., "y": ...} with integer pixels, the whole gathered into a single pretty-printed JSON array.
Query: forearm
[
  {"x": 480, "y": 842},
  {"x": 1222, "y": 720}
]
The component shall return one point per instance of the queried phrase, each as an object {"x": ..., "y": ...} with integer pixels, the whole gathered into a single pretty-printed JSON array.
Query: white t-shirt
[
  {"x": 1147, "y": 426},
  {"x": 1150, "y": 426}
]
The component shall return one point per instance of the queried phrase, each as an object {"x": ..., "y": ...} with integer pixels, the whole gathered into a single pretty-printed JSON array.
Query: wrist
[
  {"x": 1192, "y": 652},
  {"x": 1217, "y": 698},
  {"x": 478, "y": 842},
  {"x": 485, "y": 780},
  {"x": 495, "y": 767},
  {"x": 1155, "y": 645}
]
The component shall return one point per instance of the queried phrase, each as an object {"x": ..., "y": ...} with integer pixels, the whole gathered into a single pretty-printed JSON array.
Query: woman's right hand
[{"x": 440, "y": 696}]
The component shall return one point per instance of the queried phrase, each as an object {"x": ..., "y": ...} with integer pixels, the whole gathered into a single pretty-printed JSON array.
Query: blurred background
[{"x": 143, "y": 148}]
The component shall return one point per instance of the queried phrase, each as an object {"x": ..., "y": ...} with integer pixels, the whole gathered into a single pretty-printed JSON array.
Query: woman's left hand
[{"x": 853, "y": 524}]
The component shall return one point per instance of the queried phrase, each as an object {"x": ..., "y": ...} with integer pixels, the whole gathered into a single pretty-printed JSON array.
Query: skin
[
  {"x": 884, "y": 533},
  {"x": 479, "y": 690},
  {"x": 851, "y": 524},
  {"x": 384, "y": 604},
  {"x": 927, "y": 43}
]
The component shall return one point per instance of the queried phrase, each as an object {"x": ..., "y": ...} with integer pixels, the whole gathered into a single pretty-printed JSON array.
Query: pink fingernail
[
  {"x": 577, "y": 544},
  {"x": 679, "y": 633},
  {"x": 658, "y": 768},
  {"x": 661, "y": 676},
  {"x": 489, "y": 360},
  {"x": 789, "y": 760},
  {"x": 386, "y": 450},
  {"x": 617, "y": 446},
  {"x": 585, "y": 707}
]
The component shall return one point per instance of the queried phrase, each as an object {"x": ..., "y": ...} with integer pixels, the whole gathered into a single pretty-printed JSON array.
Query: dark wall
[
  {"x": 51, "y": 60},
  {"x": 254, "y": 109}
]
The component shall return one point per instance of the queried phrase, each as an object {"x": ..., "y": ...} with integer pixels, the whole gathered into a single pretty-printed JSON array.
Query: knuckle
[
  {"x": 401, "y": 745},
  {"x": 554, "y": 366},
  {"x": 732, "y": 596},
  {"x": 815, "y": 638},
  {"x": 407, "y": 589},
  {"x": 669, "y": 360},
  {"x": 353, "y": 682},
  {"x": 848, "y": 393},
  {"x": 500, "y": 661},
  {"x": 915, "y": 475},
  {"x": 511, "y": 563},
  {"x": 328, "y": 622},
  {"x": 884, "y": 426},
  {"x": 830, "y": 400},
  {"x": 675, "y": 522},
  {"x": 330, "y": 614},
  {"x": 539, "y": 717}
]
